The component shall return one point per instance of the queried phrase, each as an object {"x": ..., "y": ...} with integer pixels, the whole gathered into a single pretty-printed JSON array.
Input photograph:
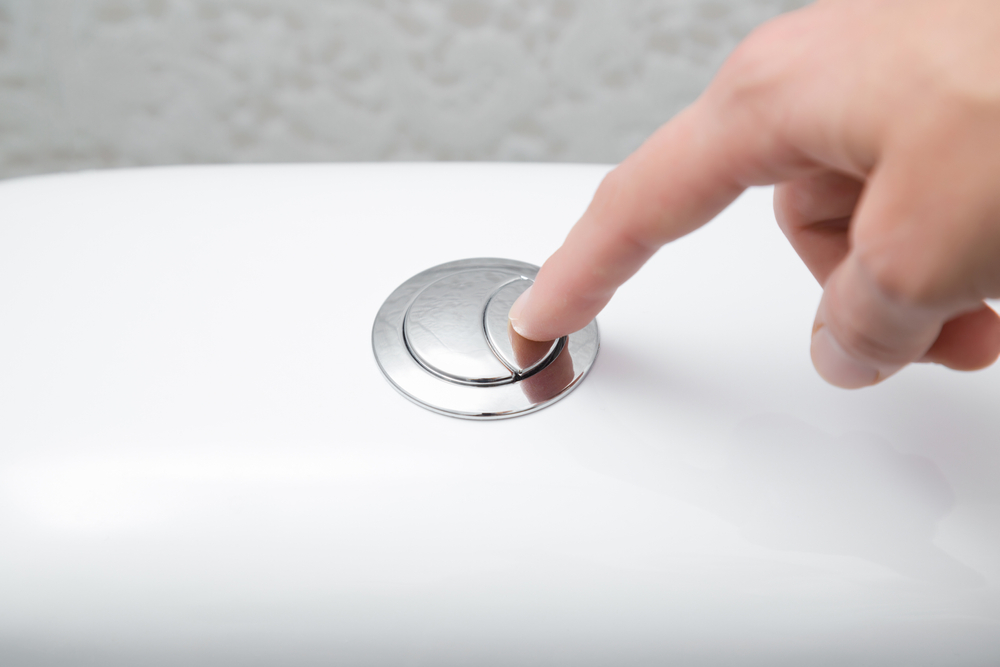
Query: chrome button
[
  {"x": 443, "y": 328},
  {"x": 520, "y": 355},
  {"x": 444, "y": 341}
]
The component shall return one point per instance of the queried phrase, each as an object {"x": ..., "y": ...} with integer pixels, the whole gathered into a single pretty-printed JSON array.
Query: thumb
[
  {"x": 863, "y": 334},
  {"x": 912, "y": 267}
]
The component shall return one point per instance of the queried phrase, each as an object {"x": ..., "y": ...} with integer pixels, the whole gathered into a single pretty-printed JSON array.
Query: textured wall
[{"x": 90, "y": 83}]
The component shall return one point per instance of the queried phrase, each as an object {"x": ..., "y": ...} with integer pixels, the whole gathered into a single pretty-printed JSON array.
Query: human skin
[{"x": 879, "y": 123}]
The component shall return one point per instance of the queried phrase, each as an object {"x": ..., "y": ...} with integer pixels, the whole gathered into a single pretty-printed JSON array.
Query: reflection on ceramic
[
  {"x": 788, "y": 486},
  {"x": 200, "y": 463}
]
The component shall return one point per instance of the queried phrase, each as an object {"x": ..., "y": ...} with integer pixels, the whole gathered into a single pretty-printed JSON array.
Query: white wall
[{"x": 93, "y": 83}]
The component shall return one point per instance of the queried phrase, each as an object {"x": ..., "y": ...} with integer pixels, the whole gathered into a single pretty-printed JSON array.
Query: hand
[{"x": 880, "y": 122}]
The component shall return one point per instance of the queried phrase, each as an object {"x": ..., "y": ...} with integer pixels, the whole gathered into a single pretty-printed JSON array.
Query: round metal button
[{"x": 444, "y": 341}]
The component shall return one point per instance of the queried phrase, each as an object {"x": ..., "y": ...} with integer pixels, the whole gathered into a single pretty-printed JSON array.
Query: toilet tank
[{"x": 202, "y": 464}]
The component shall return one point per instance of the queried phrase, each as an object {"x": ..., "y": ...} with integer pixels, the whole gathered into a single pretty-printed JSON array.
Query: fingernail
[
  {"x": 835, "y": 366},
  {"x": 516, "y": 310}
]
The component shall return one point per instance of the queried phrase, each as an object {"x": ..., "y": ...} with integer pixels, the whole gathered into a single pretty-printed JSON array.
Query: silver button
[
  {"x": 527, "y": 356},
  {"x": 443, "y": 340},
  {"x": 444, "y": 328}
]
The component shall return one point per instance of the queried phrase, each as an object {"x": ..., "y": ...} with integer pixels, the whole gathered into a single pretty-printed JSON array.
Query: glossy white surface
[{"x": 201, "y": 464}]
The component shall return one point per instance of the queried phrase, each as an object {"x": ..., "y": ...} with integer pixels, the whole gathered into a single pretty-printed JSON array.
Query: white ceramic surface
[{"x": 201, "y": 464}]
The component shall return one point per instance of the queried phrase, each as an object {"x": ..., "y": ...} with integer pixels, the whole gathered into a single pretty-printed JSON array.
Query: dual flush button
[{"x": 444, "y": 341}]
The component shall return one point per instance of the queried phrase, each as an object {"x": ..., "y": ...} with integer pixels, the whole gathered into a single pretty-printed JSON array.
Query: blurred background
[{"x": 112, "y": 83}]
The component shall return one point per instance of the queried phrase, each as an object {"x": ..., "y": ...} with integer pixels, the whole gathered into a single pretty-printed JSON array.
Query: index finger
[{"x": 679, "y": 179}]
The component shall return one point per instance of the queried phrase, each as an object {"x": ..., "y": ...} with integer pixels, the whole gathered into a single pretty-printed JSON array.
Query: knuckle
[
  {"x": 742, "y": 77},
  {"x": 610, "y": 185},
  {"x": 897, "y": 280},
  {"x": 786, "y": 212},
  {"x": 608, "y": 195},
  {"x": 757, "y": 63},
  {"x": 862, "y": 344}
]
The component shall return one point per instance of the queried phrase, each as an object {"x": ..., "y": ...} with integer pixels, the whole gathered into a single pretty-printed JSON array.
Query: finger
[
  {"x": 861, "y": 336},
  {"x": 904, "y": 278},
  {"x": 675, "y": 182},
  {"x": 735, "y": 135},
  {"x": 968, "y": 342},
  {"x": 814, "y": 212}
]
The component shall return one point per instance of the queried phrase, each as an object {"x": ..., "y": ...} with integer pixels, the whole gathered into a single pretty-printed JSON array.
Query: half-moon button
[
  {"x": 430, "y": 341},
  {"x": 443, "y": 328},
  {"x": 521, "y": 355}
]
